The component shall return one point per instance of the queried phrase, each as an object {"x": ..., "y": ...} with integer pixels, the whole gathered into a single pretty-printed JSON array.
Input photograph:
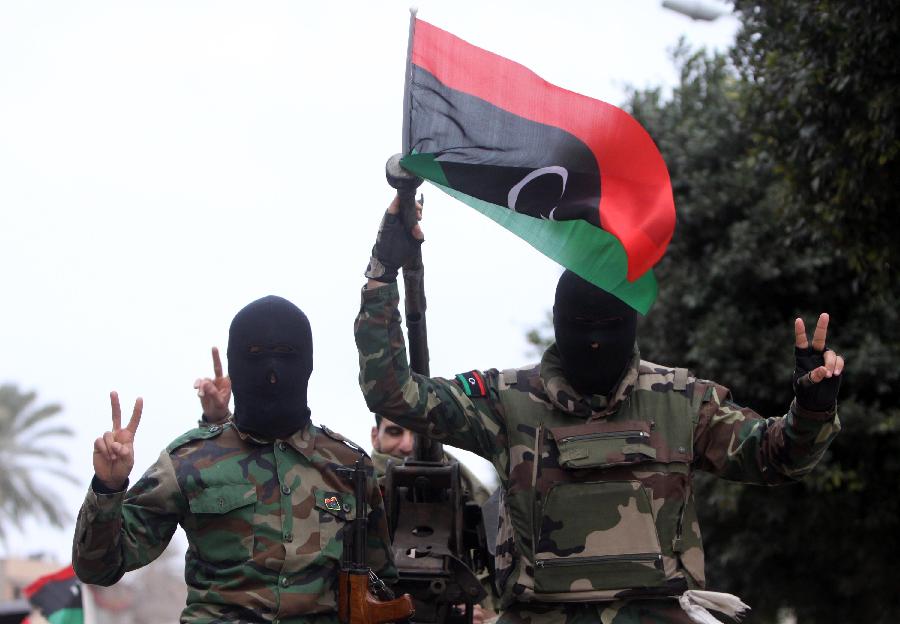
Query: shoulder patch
[
  {"x": 662, "y": 378},
  {"x": 472, "y": 383},
  {"x": 680, "y": 381},
  {"x": 339, "y": 438},
  {"x": 509, "y": 377},
  {"x": 200, "y": 433}
]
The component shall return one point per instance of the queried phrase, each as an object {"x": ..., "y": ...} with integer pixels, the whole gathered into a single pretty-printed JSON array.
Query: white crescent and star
[{"x": 513, "y": 196}]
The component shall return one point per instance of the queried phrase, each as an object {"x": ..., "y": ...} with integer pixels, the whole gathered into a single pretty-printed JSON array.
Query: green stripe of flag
[
  {"x": 593, "y": 253},
  {"x": 67, "y": 616},
  {"x": 465, "y": 384}
]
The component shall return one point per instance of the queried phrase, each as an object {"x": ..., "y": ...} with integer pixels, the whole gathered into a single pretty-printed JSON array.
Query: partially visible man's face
[{"x": 392, "y": 439}]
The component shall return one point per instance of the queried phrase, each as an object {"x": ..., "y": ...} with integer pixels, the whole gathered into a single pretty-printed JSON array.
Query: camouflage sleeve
[
  {"x": 436, "y": 407},
  {"x": 738, "y": 444},
  {"x": 119, "y": 532},
  {"x": 379, "y": 553}
]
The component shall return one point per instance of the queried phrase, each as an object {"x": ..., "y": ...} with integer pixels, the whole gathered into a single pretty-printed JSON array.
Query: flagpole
[
  {"x": 406, "y": 147},
  {"x": 88, "y": 605}
]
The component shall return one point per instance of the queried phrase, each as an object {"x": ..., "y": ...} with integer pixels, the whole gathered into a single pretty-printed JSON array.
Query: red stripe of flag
[
  {"x": 636, "y": 204},
  {"x": 480, "y": 383}
]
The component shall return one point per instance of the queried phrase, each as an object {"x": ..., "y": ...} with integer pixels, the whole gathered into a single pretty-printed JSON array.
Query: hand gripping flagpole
[
  {"x": 428, "y": 510},
  {"x": 431, "y": 518},
  {"x": 414, "y": 289}
]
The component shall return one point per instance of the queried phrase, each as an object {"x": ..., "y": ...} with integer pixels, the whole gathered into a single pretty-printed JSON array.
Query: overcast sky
[{"x": 164, "y": 163}]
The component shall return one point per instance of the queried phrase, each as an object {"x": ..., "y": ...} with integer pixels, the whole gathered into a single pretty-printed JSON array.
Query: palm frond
[
  {"x": 22, "y": 428},
  {"x": 50, "y": 432},
  {"x": 26, "y": 450},
  {"x": 39, "y": 415},
  {"x": 62, "y": 473}
]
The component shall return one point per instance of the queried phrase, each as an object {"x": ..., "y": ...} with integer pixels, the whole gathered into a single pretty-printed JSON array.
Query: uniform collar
[
  {"x": 303, "y": 440},
  {"x": 586, "y": 406},
  {"x": 379, "y": 462}
]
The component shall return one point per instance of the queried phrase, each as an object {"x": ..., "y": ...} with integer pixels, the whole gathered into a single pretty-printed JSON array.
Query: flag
[
  {"x": 577, "y": 178},
  {"x": 58, "y": 597}
]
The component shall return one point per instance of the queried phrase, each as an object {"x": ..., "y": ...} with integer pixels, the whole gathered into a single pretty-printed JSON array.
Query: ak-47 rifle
[
  {"x": 362, "y": 597},
  {"x": 433, "y": 525}
]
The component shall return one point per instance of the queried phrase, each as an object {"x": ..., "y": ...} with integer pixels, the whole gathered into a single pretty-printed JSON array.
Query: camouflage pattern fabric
[
  {"x": 477, "y": 490},
  {"x": 619, "y": 612},
  {"x": 265, "y": 524},
  {"x": 597, "y": 498}
]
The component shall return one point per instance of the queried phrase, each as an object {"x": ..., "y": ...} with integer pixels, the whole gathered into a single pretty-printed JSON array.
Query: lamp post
[{"x": 695, "y": 9}]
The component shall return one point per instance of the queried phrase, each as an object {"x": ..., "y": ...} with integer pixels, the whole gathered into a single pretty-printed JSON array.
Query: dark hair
[{"x": 378, "y": 418}]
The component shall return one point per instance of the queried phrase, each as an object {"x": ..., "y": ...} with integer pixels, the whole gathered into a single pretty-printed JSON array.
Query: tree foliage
[
  {"x": 24, "y": 454},
  {"x": 783, "y": 157},
  {"x": 758, "y": 243},
  {"x": 824, "y": 91}
]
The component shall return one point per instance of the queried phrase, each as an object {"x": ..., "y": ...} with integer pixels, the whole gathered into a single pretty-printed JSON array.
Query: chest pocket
[
  {"x": 603, "y": 444},
  {"x": 336, "y": 510},
  {"x": 223, "y": 515}
]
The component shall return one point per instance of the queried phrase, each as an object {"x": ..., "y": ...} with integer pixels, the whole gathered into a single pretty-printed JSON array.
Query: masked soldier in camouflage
[
  {"x": 595, "y": 449},
  {"x": 258, "y": 497}
]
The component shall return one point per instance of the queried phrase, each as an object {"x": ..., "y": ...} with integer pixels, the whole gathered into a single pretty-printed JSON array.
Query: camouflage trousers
[{"x": 619, "y": 612}]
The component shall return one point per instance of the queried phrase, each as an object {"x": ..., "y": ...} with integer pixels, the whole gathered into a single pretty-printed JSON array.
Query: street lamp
[{"x": 695, "y": 9}]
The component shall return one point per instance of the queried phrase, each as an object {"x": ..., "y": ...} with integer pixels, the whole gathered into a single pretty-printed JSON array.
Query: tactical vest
[{"x": 599, "y": 509}]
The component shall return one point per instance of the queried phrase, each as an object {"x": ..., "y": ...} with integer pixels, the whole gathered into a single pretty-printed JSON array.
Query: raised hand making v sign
[
  {"x": 817, "y": 373},
  {"x": 215, "y": 394},
  {"x": 114, "y": 450}
]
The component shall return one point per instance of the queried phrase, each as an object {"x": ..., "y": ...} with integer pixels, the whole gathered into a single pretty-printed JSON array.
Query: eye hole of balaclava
[
  {"x": 255, "y": 349},
  {"x": 269, "y": 362},
  {"x": 595, "y": 334}
]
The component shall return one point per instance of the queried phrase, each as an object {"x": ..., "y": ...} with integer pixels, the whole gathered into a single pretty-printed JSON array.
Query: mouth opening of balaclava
[
  {"x": 595, "y": 334},
  {"x": 269, "y": 362}
]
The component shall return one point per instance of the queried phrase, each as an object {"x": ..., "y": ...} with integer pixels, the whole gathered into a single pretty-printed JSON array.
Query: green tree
[
  {"x": 24, "y": 432},
  {"x": 750, "y": 254},
  {"x": 824, "y": 91}
]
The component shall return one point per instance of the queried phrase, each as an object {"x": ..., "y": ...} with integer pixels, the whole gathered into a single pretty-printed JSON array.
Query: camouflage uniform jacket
[
  {"x": 264, "y": 521},
  {"x": 477, "y": 490},
  {"x": 598, "y": 501}
]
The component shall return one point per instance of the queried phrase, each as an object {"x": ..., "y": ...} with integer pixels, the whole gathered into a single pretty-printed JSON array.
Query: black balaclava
[
  {"x": 269, "y": 362},
  {"x": 584, "y": 315}
]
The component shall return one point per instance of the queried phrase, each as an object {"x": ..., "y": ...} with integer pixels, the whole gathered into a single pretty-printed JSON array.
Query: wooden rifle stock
[
  {"x": 356, "y": 602},
  {"x": 358, "y": 605}
]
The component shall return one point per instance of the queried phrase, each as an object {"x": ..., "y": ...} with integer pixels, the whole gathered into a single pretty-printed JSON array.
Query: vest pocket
[
  {"x": 603, "y": 444},
  {"x": 610, "y": 544}
]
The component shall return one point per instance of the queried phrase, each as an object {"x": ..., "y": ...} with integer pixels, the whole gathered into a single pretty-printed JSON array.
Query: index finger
[
  {"x": 136, "y": 415},
  {"x": 800, "y": 340},
  {"x": 116, "y": 410},
  {"x": 818, "y": 342},
  {"x": 217, "y": 363}
]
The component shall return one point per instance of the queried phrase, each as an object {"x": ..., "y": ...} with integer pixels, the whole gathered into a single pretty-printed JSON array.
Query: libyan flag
[
  {"x": 58, "y": 597},
  {"x": 577, "y": 178}
]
